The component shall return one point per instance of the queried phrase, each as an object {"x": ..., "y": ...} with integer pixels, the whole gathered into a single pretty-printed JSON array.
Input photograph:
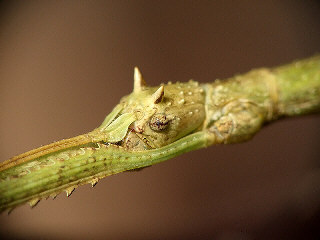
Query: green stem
[{"x": 299, "y": 87}]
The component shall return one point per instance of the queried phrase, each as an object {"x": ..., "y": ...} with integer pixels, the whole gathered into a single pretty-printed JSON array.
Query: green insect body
[{"x": 154, "y": 124}]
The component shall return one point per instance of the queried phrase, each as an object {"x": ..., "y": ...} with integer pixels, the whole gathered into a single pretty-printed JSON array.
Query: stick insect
[{"x": 153, "y": 124}]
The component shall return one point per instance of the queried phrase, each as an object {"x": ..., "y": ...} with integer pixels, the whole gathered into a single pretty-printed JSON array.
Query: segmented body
[{"x": 155, "y": 124}]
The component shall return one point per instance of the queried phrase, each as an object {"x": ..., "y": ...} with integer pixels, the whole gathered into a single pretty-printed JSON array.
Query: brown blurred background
[{"x": 65, "y": 64}]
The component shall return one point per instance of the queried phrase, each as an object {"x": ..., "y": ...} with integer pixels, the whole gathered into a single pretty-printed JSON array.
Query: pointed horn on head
[
  {"x": 158, "y": 95},
  {"x": 139, "y": 82}
]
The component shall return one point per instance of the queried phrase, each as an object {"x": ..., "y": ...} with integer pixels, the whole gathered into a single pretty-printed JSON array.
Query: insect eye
[{"x": 159, "y": 122}]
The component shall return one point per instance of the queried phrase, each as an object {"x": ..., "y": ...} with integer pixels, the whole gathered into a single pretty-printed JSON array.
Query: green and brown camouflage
[{"x": 153, "y": 124}]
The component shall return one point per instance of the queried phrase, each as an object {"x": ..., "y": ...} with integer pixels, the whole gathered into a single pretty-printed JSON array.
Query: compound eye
[{"x": 159, "y": 122}]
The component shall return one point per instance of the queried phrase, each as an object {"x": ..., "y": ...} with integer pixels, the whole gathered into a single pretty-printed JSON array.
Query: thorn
[
  {"x": 94, "y": 182},
  {"x": 158, "y": 95},
  {"x": 138, "y": 82},
  {"x": 10, "y": 211},
  {"x": 69, "y": 191},
  {"x": 34, "y": 202},
  {"x": 53, "y": 195}
]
